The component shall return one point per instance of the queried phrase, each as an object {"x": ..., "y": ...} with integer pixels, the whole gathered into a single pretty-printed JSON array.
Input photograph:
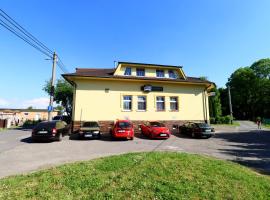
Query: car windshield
[
  {"x": 90, "y": 124},
  {"x": 157, "y": 124},
  {"x": 45, "y": 125},
  {"x": 124, "y": 125},
  {"x": 203, "y": 125},
  {"x": 57, "y": 118}
]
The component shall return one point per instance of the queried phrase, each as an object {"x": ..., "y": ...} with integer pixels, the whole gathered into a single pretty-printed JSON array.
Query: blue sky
[{"x": 208, "y": 38}]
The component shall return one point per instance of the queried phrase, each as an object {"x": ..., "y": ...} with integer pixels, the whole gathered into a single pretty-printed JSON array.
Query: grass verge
[{"x": 157, "y": 175}]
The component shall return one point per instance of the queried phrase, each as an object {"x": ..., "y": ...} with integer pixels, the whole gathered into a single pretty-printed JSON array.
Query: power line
[
  {"x": 25, "y": 32},
  {"x": 23, "y": 38},
  {"x": 62, "y": 65}
]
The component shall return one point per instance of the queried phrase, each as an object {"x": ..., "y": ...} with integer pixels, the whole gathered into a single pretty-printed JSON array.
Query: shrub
[{"x": 227, "y": 119}]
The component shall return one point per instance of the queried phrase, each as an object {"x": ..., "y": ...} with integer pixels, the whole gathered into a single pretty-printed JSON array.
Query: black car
[
  {"x": 50, "y": 130},
  {"x": 196, "y": 129},
  {"x": 89, "y": 129}
]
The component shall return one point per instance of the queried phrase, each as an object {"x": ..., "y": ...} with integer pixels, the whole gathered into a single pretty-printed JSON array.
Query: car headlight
[{"x": 95, "y": 131}]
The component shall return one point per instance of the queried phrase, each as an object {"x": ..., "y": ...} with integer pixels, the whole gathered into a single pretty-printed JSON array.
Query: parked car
[
  {"x": 197, "y": 129},
  {"x": 123, "y": 129},
  {"x": 66, "y": 119},
  {"x": 50, "y": 130},
  {"x": 155, "y": 129},
  {"x": 89, "y": 129}
]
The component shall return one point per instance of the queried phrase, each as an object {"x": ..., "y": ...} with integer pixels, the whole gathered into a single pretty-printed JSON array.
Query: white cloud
[
  {"x": 41, "y": 102},
  {"x": 3, "y": 102}
]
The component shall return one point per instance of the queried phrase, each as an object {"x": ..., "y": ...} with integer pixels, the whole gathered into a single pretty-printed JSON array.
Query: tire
[
  {"x": 60, "y": 137},
  {"x": 193, "y": 135},
  {"x": 99, "y": 136},
  {"x": 131, "y": 138}
]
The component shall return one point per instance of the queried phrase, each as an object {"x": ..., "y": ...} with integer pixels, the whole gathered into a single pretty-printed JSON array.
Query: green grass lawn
[
  {"x": 158, "y": 175},
  {"x": 266, "y": 126}
]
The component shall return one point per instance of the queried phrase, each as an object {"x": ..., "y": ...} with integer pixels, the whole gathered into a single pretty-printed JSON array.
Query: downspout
[
  {"x": 73, "y": 104},
  {"x": 205, "y": 101}
]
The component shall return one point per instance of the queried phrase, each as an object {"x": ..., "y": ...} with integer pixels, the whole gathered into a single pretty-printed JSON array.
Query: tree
[
  {"x": 63, "y": 94},
  {"x": 250, "y": 90},
  {"x": 242, "y": 83},
  {"x": 215, "y": 104},
  {"x": 262, "y": 68},
  {"x": 30, "y": 108}
]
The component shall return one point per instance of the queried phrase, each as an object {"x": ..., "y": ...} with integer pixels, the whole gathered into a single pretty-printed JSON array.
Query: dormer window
[
  {"x": 160, "y": 73},
  {"x": 140, "y": 72},
  {"x": 127, "y": 71},
  {"x": 172, "y": 74}
]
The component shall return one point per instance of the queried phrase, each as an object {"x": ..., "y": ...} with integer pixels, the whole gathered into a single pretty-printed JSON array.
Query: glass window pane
[
  {"x": 127, "y": 71},
  {"x": 174, "y": 103},
  {"x": 140, "y": 72},
  {"x": 172, "y": 74},
  {"x": 127, "y": 102},
  {"x": 141, "y": 103},
  {"x": 160, "y": 101},
  {"x": 160, "y": 73}
]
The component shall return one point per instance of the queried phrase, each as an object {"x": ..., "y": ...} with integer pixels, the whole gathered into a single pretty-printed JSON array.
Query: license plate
[
  {"x": 207, "y": 130},
  {"x": 42, "y": 132},
  {"x": 163, "y": 134},
  {"x": 88, "y": 135}
]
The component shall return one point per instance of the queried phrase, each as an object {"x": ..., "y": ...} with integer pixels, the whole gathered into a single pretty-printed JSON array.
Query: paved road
[{"x": 245, "y": 145}]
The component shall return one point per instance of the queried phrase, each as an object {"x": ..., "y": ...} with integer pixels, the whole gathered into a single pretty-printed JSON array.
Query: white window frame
[
  {"x": 142, "y": 70},
  {"x": 157, "y": 74},
  {"x": 127, "y": 100},
  {"x": 160, "y": 101},
  {"x": 141, "y": 101},
  {"x": 129, "y": 71},
  {"x": 174, "y": 101}
]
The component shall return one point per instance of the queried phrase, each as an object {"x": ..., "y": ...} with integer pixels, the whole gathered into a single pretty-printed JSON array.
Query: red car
[
  {"x": 155, "y": 130},
  {"x": 123, "y": 129}
]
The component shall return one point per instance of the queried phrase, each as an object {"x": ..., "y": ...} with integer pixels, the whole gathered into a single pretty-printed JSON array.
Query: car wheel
[
  {"x": 60, "y": 137},
  {"x": 193, "y": 134},
  {"x": 131, "y": 138},
  {"x": 99, "y": 136}
]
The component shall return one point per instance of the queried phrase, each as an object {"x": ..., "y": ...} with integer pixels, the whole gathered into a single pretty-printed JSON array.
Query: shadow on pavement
[{"x": 251, "y": 149}]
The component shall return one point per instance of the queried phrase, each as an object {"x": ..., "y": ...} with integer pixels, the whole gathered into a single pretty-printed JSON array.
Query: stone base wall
[{"x": 105, "y": 126}]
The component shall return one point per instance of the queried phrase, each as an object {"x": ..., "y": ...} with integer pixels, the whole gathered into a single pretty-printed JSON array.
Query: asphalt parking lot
[{"x": 245, "y": 145}]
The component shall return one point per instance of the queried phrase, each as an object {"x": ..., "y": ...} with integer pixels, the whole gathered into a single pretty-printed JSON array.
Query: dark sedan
[
  {"x": 89, "y": 129},
  {"x": 197, "y": 129},
  {"x": 50, "y": 130}
]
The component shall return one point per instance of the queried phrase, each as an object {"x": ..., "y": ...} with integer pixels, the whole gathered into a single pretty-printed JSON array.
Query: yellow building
[{"x": 138, "y": 92}]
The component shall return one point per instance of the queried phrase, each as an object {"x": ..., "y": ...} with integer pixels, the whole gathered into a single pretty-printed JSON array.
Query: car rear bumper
[
  {"x": 159, "y": 136},
  {"x": 44, "y": 137},
  {"x": 90, "y": 135},
  {"x": 122, "y": 135}
]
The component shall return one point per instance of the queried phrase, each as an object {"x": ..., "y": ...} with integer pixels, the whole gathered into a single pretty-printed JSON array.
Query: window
[
  {"x": 160, "y": 73},
  {"x": 127, "y": 71},
  {"x": 140, "y": 72},
  {"x": 127, "y": 103},
  {"x": 172, "y": 74},
  {"x": 160, "y": 101},
  {"x": 142, "y": 103},
  {"x": 174, "y": 103}
]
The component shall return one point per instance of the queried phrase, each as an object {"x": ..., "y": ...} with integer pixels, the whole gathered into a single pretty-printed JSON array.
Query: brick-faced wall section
[{"x": 105, "y": 126}]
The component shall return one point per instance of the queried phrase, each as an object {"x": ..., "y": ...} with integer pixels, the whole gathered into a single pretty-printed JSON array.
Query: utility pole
[
  {"x": 230, "y": 103},
  {"x": 50, "y": 107}
]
